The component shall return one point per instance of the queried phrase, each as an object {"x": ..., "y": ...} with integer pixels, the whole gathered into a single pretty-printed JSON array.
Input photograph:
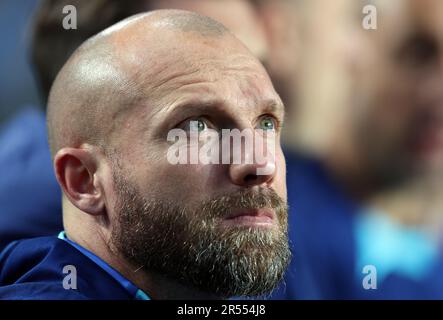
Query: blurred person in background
[
  {"x": 281, "y": 26},
  {"x": 394, "y": 159},
  {"x": 375, "y": 196},
  {"x": 17, "y": 88},
  {"x": 23, "y": 143}
]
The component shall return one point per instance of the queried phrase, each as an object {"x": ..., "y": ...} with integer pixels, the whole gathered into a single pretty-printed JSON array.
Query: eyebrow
[
  {"x": 177, "y": 112},
  {"x": 274, "y": 106},
  {"x": 271, "y": 106},
  {"x": 197, "y": 104}
]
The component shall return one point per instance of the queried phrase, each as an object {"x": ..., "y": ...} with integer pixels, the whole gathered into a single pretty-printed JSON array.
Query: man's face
[
  {"x": 219, "y": 227},
  {"x": 398, "y": 92}
]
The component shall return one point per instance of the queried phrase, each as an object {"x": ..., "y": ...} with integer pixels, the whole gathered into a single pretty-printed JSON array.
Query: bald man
[
  {"x": 136, "y": 225},
  {"x": 25, "y": 136}
]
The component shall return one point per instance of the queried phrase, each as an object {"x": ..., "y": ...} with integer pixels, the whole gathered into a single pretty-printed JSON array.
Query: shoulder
[
  {"x": 36, "y": 269},
  {"x": 38, "y": 291}
]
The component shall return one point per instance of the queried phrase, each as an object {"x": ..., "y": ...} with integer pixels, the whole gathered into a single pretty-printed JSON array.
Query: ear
[{"x": 76, "y": 172}]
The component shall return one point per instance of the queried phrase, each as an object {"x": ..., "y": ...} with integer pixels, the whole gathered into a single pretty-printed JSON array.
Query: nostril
[{"x": 250, "y": 178}]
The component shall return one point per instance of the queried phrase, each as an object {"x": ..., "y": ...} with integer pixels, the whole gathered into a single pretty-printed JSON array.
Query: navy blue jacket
[{"x": 33, "y": 269}]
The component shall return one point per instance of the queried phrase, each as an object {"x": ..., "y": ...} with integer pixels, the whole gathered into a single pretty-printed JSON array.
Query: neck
[{"x": 162, "y": 288}]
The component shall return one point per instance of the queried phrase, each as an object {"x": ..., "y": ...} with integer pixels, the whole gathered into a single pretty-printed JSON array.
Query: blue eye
[
  {"x": 197, "y": 125},
  {"x": 267, "y": 123}
]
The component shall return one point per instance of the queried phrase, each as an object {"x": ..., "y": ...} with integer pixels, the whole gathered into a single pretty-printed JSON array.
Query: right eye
[{"x": 197, "y": 125}]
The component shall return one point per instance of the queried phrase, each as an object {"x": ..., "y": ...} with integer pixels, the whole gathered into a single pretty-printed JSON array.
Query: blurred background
[{"x": 362, "y": 81}]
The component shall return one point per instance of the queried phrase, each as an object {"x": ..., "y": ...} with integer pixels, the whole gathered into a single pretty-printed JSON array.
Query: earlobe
[{"x": 76, "y": 169}]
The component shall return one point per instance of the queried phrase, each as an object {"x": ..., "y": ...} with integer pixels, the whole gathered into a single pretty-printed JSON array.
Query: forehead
[
  {"x": 429, "y": 16},
  {"x": 401, "y": 20},
  {"x": 206, "y": 71}
]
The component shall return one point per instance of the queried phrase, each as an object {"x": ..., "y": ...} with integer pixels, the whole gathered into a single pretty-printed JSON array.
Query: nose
[
  {"x": 246, "y": 174},
  {"x": 258, "y": 165}
]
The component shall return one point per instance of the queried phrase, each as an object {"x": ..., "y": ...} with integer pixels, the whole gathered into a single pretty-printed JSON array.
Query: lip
[{"x": 251, "y": 218}]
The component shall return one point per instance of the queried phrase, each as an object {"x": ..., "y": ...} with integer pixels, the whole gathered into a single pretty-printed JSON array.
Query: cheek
[
  {"x": 158, "y": 178},
  {"x": 179, "y": 182},
  {"x": 394, "y": 112},
  {"x": 280, "y": 176}
]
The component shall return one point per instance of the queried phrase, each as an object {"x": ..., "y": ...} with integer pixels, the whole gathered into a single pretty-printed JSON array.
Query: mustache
[{"x": 248, "y": 199}]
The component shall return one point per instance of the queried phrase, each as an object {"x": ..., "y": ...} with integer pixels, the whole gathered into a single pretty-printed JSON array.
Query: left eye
[{"x": 267, "y": 123}]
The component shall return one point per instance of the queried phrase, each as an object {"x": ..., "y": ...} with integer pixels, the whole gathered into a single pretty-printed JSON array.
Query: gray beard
[{"x": 187, "y": 246}]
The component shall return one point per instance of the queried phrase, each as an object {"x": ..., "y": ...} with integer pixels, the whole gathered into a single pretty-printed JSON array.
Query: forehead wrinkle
[
  {"x": 177, "y": 78},
  {"x": 182, "y": 87},
  {"x": 163, "y": 96},
  {"x": 226, "y": 81},
  {"x": 214, "y": 104},
  {"x": 158, "y": 69},
  {"x": 208, "y": 71}
]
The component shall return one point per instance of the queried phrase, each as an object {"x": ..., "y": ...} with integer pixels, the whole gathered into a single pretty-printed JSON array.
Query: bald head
[
  {"x": 122, "y": 65},
  {"x": 111, "y": 113}
]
